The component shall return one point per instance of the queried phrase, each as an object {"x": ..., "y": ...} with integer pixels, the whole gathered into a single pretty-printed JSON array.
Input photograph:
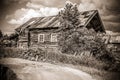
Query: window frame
[
  {"x": 52, "y": 39},
  {"x": 42, "y": 39},
  {"x": 47, "y": 37}
]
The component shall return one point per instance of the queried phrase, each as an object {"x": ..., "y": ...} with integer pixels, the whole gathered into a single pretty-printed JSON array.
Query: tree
[
  {"x": 8, "y": 40},
  {"x": 69, "y": 21},
  {"x": 69, "y": 17}
]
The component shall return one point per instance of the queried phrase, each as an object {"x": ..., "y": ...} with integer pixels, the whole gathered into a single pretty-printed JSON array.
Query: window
[
  {"x": 41, "y": 38},
  {"x": 53, "y": 37},
  {"x": 47, "y": 37}
]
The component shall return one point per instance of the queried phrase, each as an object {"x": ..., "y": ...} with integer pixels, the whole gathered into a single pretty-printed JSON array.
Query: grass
[{"x": 39, "y": 55}]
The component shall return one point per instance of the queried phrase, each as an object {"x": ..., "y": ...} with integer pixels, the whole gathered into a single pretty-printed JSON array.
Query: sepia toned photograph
[{"x": 59, "y": 39}]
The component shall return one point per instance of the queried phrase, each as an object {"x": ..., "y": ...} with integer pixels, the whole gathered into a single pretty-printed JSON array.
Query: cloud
[
  {"x": 111, "y": 18},
  {"x": 109, "y": 10},
  {"x": 24, "y": 14},
  {"x": 33, "y": 5},
  {"x": 113, "y": 6},
  {"x": 84, "y": 6},
  {"x": 28, "y": 13},
  {"x": 23, "y": 17},
  {"x": 53, "y": 3},
  {"x": 113, "y": 26},
  {"x": 49, "y": 11}
]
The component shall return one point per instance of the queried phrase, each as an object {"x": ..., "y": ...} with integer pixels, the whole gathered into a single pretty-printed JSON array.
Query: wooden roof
[{"x": 53, "y": 21}]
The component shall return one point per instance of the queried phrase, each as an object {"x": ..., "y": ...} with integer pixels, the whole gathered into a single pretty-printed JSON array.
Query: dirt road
[{"x": 30, "y": 70}]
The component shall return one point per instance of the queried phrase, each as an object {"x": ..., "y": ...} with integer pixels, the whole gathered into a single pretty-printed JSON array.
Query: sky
[{"x": 13, "y": 13}]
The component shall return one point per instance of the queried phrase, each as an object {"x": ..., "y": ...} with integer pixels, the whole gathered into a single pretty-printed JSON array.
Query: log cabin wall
[
  {"x": 44, "y": 39},
  {"x": 23, "y": 40}
]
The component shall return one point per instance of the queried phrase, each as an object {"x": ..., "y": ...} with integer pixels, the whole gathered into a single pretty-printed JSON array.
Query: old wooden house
[{"x": 42, "y": 31}]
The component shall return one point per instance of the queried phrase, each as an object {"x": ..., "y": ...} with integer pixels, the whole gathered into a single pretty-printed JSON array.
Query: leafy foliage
[
  {"x": 69, "y": 17},
  {"x": 8, "y": 41}
]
